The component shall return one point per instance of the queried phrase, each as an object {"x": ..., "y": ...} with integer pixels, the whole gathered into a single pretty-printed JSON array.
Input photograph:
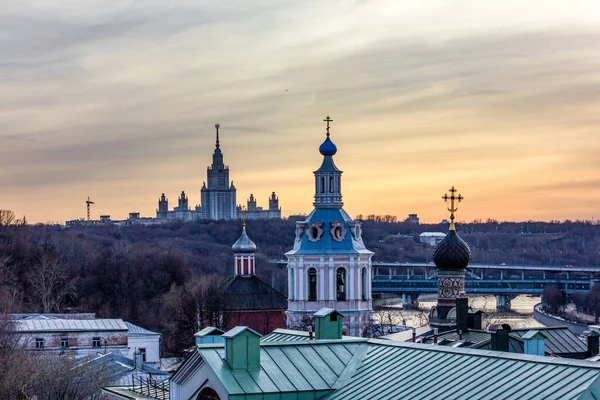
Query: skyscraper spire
[{"x": 217, "y": 126}]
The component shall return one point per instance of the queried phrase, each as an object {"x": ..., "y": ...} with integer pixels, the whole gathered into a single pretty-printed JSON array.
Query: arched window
[
  {"x": 322, "y": 184},
  {"x": 363, "y": 284},
  {"x": 208, "y": 394},
  {"x": 341, "y": 284},
  {"x": 331, "y": 184},
  {"x": 312, "y": 284}
]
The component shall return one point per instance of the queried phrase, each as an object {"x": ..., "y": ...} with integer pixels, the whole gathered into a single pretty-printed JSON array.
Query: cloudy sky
[{"x": 117, "y": 100}]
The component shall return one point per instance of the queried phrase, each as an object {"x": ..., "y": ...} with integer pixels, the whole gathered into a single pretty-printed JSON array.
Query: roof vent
[
  {"x": 209, "y": 335},
  {"x": 534, "y": 343},
  {"x": 328, "y": 324},
  {"x": 242, "y": 348}
]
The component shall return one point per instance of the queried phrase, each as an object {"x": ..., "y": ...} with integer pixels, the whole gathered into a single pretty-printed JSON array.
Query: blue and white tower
[{"x": 329, "y": 265}]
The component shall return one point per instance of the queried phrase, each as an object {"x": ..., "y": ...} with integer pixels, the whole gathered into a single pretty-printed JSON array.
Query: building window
[
  {"x": 341, "y": 284},
  {"x": 96, "y": 342},
  {"x": 322, "y": 184},
  {"x": 142, "y": 354},
  {"x": 39, "y": 343},
  {"x": 64, "y": 342},
  {"x": 331, "y": 184},
  {"x": 312, "y": 284},
  {"x": 364, "y": 284},
  {"x": 208, "y": 394}
]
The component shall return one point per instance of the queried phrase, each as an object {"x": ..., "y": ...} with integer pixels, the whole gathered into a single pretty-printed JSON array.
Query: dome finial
[
  {"x": 328, "y": 148},
  {"x": 328, "y": 120},
  {"x": 244, "y": 212},
  {"x": 452, "y": 209}
]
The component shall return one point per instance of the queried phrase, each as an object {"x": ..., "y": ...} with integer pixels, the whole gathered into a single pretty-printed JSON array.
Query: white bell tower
[{"x": 329, "y": 265}]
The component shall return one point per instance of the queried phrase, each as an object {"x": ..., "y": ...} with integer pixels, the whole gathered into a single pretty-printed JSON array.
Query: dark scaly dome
[
  {"x": 452, "y": 252},
  {"x": 244, "y": 244},
  {"x": 327, "y": 148}
]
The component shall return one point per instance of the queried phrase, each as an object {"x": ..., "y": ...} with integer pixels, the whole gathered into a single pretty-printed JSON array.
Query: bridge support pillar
[
  {"x": 407, "y": 300},
  {"x": 502, "y": 303}
]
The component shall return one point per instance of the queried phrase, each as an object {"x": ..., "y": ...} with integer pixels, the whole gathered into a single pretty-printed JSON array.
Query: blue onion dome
[
  {"x": 244, "y": 244},
  {"x": 328, "y": 148},
  {"x": 452, "y": 252}
]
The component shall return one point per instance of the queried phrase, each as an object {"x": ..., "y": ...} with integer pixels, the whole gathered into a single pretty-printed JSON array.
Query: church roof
[
  {"x": 326, "y": 244},
  {"x": 251, "y": 293},
  {"x": 452, "y": 252},
  {"x": 244, "y": 244}
]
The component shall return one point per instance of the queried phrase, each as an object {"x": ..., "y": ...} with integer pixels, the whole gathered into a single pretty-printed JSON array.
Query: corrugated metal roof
[
  {"x": 69, "y": 325},
  {"x": 394, "y": 370},
  {"x": 139, "y": 330},
  {"x": 558, "y": 340},
  {"x": 382, "y": 369},
  {"x": 289, "y": 367}
]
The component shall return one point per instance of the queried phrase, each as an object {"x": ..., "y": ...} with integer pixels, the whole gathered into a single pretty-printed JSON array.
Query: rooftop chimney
[
  {"x": 534, "y": 343},
  {"x": 328, "y": 324},
  {"x": 242, "y": 348},
  {"x": 475, "y": 319},
  {"x": 500, "y": 337},
  {"x": 462, "y": 314},
  {"x": 593, "y": 342},
  {"x": 414, "y": 335},
  {"x": 435, "y": 335}
]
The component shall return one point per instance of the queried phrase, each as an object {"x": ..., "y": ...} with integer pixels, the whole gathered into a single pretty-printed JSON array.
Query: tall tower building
[
  {"x": 163, "y": 207},
  {"x": 218, "y": 194},
  {"x": 329, "y": 265}
]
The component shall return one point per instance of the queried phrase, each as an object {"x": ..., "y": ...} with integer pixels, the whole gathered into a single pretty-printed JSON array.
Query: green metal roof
[
  {"x": 315, "y": 367},
  {"x": 558, "y": 340},
  {"x": 392, "y": 370}
]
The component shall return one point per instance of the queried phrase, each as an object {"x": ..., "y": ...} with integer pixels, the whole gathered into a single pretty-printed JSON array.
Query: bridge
[{"x": 504, "y": 281}]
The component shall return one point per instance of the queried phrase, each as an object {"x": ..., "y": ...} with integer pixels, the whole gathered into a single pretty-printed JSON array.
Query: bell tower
[{"x": 329, "y": 265}]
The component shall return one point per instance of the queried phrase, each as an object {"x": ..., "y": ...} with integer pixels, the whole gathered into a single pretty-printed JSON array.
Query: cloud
[{"x": 92, "y": 93}]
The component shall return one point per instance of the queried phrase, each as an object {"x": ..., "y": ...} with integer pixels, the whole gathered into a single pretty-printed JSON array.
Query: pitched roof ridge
[{"x": 490, "y": 354}]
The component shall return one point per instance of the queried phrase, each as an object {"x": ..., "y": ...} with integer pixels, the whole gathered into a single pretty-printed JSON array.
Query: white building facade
[{"x": 329, "y": 265}]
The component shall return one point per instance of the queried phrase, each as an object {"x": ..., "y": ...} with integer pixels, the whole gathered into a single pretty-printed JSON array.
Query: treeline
[{"x": 146, "y": 275}]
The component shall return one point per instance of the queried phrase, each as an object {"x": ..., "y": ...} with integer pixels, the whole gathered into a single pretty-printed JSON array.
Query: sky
[{"x": 118, "y": 100}]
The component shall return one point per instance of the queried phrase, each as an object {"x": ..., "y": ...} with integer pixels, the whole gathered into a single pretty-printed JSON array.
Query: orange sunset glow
[{"x": 118, "y": 100}]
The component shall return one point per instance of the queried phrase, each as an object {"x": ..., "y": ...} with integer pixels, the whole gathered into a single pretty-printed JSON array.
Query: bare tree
[
  {"x": 11, "y": 294},
  {"x": 66, "y": 378},
  {"x": 7, "y": 217},
  {"x": 50, "y": 283}
]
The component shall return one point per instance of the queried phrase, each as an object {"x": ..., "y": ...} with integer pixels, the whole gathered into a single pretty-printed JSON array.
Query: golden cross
[
  {"x": 452, "y": 197},
  {"x": 328, "y": 120}
]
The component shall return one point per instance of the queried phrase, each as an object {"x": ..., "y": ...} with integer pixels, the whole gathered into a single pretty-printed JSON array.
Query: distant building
[
  {"x": 254, "y": 212},
  {"x": 83, "y": 334},
  {"x": 217, "y": 197},
  {"x": 412, "y": 219},
  {"x": 217, "y": 201},
  {"x": 431, "y": 238}
]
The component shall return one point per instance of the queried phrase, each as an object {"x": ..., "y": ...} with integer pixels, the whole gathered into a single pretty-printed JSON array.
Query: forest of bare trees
[{"x": 160, "y": 276}]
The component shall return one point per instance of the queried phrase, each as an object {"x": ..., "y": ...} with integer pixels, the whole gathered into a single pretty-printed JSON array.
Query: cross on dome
[
  {"x": 328, "y": 120},
  {"x": 452, "y": 208}
]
